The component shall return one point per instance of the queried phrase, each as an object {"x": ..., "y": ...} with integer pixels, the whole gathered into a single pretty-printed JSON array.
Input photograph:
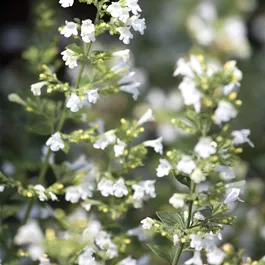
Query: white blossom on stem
[
  {"x": 120, "y": 189},
  {"x": 233, "y": 195},
  {"x": 133, "y": 6},
  {"x": 66, "y": 3},
  {"x": 88, "y": 31},
  {"x": 74, "y": 103},
  {"x": 215, "y": 257},
  {"x": 36, "y": 88},
  {"x": 186, "y": 165},
  {"x": 55, "y": 142},
  {"x": 125, "y": 34},
  {"x": 105, "y": 186},
  {"x": 69, "y": 29},
  {"x": 197, "y": 176},
  {"x": 241, "y": 137},
  {"x": 92, "y": 96},
  {"x": 164, "y": 168},
  {"x": 147, "y": 223},
  {"x": 119, "y": 148},
  {"x": 70, "y": 58},
  {"x": 224, "y": 112},
  {"x": 106, "y": 139},
  {"x": 177, "y": 200},
  {"x": 204, "y": 148},
  {"x": 195, "y": 260},
  {"x": 156, "y": 144},
  {"x": 147, "y": 117}
]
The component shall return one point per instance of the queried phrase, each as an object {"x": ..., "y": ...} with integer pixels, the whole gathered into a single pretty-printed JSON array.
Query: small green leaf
[
  {"x": 160, "y": 252},
  {"x": 75, "y": 48},
  {"x": 171, "y": 218}
]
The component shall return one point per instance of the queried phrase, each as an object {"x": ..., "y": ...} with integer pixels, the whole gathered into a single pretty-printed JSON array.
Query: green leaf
[
  {"x": 160, "y": 252},
  {"x": 183, "y": 180},
  {"x": 171, "y": 218},
  {"x": 75, "y": 48}
]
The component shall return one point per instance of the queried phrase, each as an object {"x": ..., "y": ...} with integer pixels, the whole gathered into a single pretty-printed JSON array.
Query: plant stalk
[{"x": 181, "y": 245}]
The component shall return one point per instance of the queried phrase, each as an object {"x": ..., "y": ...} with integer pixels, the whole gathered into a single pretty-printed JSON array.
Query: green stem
[{"x": 181, "y": 245}]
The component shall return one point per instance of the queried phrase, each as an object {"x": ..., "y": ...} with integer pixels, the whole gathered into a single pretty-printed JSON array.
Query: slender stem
[
  {"x": 181, "y": 245},
  {"x": 178, "y": 254}
]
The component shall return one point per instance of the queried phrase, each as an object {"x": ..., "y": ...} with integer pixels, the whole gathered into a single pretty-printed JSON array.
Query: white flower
[
  {"x": 30, "y": 233},
  {"x": 103, "y": 240},
  {"x": 105, "y": 186},
  {"x": 130, "y": 85},
  {"x": 53, "y": 196},
  {"x": 105, "y": 139},
  {"x": 240, "y": 137},
  {"x": 44, "y": 261},
  {"x": 177, "y": 200},
  {"x": 147, "y": 223},
  {"x": 164, "y": 168},
  {"x": 227, "y": 89},
  {"x": 139, "y": 192},
  {"x": 195, "y": 260},
  {"x": 149, "y": 187},
  {"x": 119, "y": 148},
  {"x": 115, "y": 9},
  {"x": 123, "y": 54},
  {"x": 112, "y": 251},
  {"x": 66, "y": 3},
  {"x": 132, "y": 89},
  {"x": 215, "y": 257},
  {"x": 86, "y": 205},
  {"x": 226, "y": 172},
  {"x": 120, "y": 189},
  {"x": 2, "y": 188},
  {"x": 125, "y": 34},
  {"x": 196, "y": 242},
  {"x": 69, "y": 29},
  {"x": 70, "y": 58},
  {"x": 176, "y": 239},
  {"x": 183, "y": 68},
  {"x": 224, "y": 112},
  {"x": 74, "y": 103},
  {"x": 148, "y": 116},
  {"x": 88, "y": 31},
  {"x": 156, "y": 144},
  {"x": 196, "y": 66},
  {"x": 190, "y": 94},
  {"x": 128, "y": 261},
  {"x": 197, "y": 176},
  {"x": 92, "y": 96},
  {"x": 86, "y": 257},
  {"x": 41, "y": 192},
  {"x": 133, "y": 6},
  {"x": 233, "y": 196},
  {"x": 124, "y": 15},
  {"x": 72, "y": 194},
  {"x": 35, "y": 252},
  {"x": 55, "y": 142},
  {"x": 138, "y": 24},
  {"x": 204, "y": 148},
  {"x": 36, "y": 88},
  {"x": 186, "y": 165}
]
